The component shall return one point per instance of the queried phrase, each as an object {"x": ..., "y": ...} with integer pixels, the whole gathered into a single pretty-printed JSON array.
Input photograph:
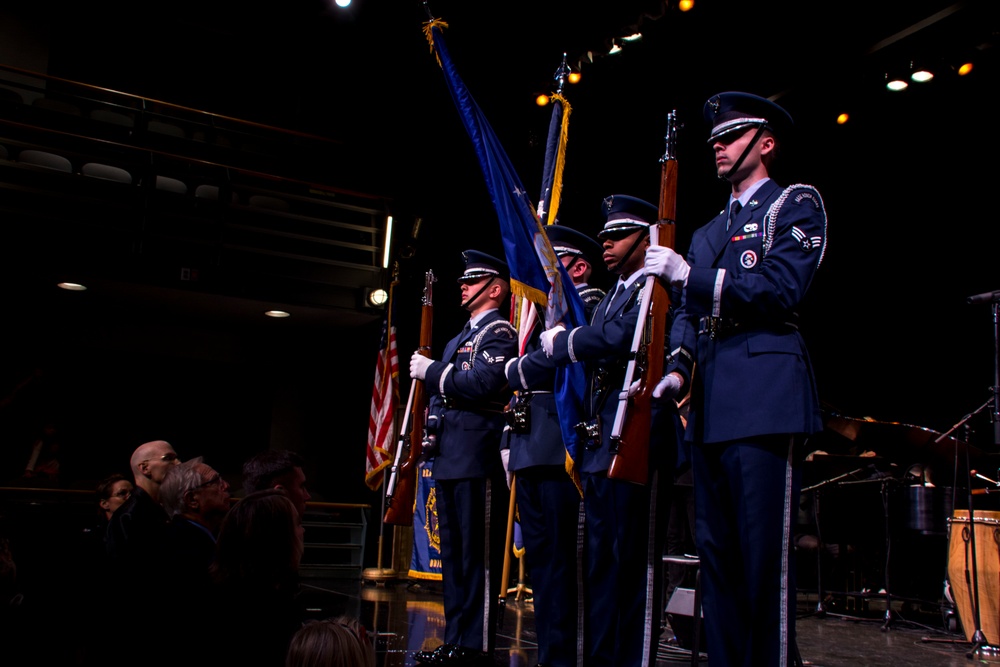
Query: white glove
[
  {"x": 666, "y": 264},
  {"x": 506, "y": 367},
  {"x": 669, "y": 386},
  {"x": 548, "y": 336},
  {"x": 505, "y": 457},
  {"x": 418, "y": 366}
]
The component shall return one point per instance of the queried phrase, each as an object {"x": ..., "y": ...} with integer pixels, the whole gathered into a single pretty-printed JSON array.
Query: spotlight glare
[
  {"x": 343, "y": 3},
  {"x": 276, "y": 313},
  {"x": 896, "y": 85},
  {"x": 921, "y": 76},
  {"x": 377, "y": 297},
  {"x": 843, "y": 118},
  {"x": 542, "y": 100},
  {"x": 574, "y": 77},
  {"x": 685, "y": 5},
  {"x": 72, "y": 287},
  {"x": 964, "y": 69}
]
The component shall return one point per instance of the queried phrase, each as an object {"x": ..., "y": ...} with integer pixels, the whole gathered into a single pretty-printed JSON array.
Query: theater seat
[
  {"x": 106, "y": 171},
  {"x": 45, "y": 159}
]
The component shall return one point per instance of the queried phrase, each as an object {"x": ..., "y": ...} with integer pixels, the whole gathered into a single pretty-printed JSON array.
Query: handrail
[{"x": 171, "y": 105}]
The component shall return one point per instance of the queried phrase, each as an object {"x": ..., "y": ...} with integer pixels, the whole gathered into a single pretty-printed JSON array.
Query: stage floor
[{"x": 406, "y": 617}]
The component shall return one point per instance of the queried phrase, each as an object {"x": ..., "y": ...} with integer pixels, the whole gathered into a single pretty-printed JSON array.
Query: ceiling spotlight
[
  {"x": 896, "y": 85},
  {"x": 920, "y": 74},
  {"x": 685, "y": 5},
  {"x": 72, "y": 287},
  {"x": 542, "y": 100},
  {"x": 377, "y": 297},
  {"x": 634, "y": 37},
  {"x": 343, "y": 3},
  {"x": 843, "y": 118},
  {"x": 574, "y": 77},
  {"x": 964, "y": 69},
  {"x": 277, "y": 313},
  {"x": 615, "y": 48}
]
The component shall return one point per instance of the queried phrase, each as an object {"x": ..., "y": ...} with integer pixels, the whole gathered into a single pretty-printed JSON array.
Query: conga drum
[{"x": 985, "y": 527}]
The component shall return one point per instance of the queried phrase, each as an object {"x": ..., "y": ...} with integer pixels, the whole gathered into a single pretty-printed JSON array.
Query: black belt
[
  {"x": 714, "y": 327},
  {"x": 469, "y": 406}
]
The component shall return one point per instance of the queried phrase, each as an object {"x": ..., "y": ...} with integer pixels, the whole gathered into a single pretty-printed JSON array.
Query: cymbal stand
[
  {"x": 980, "y": 645},
  {"x": 820, "y": 610},
  {"x": 889, "y": 616}
]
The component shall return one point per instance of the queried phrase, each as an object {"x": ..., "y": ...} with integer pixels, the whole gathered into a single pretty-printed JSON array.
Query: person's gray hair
[{"x": 177, "y": 483}]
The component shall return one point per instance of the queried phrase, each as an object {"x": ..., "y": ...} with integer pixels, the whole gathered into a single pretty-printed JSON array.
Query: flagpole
[
  {"x": 526, "y": 323},
  {"x": 380, "y": 575}
]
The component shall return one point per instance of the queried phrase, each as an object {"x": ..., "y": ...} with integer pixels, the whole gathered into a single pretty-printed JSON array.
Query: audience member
[
  {"x": 256, "y": 610},
  {"x": 135, "y": 542},
  {"x": 334, "y": 642},
  {"x": 137, "y": 529},
  {"x": 112, "y": 492},
  {"x": 196, "y": 498},
  {"x": 277, "y": 469}
]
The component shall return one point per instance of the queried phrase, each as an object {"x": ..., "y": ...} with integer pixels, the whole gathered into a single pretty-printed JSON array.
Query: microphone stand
[
  {"x": 994, "y": 299},
  {"x": 820, "y": 610},
  {"x": 980, "y": 645}
]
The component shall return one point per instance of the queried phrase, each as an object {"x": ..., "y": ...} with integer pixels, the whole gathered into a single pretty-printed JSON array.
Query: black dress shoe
[{"x": 438, "y": 656}]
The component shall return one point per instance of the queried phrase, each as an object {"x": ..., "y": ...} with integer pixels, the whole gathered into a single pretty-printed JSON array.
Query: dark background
[{"x": 907, "y": 185}]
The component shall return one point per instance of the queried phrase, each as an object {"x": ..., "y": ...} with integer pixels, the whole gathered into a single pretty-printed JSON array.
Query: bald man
[{"x": 136, "y": 530}]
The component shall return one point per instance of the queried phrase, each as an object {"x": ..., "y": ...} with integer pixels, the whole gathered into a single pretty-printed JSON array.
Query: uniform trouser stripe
[
  {"x": 488, "y": 600},
  {"x": 580, "y": 541},
  {"x": 651, "y": 562},
  {"x": 785, "y": 558}
]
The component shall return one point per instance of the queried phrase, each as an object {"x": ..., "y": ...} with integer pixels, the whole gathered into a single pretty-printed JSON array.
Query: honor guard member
[
  {"x": 754, "y": 396},
  {"x": 548, "y": 501},
  {"x": 467, "y": 392},
  {"x": 622, "y": 561},
  {"x": 581, "y": 256}
]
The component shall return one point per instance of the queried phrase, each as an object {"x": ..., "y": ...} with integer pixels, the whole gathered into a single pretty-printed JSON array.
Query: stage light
[
  {"x": 388, "y": 242},
  {"x": 72, "y": 287},
  {"x": 964, "y": 69},
  {"x": 843, "y": 118},
  {"x": 574, "y": 77},
  {"x": 634, "y": 37},
  {"x": 685, "y": 5},
  {"x": 896, "y": 85},
  {"x": 277, "y": 313},
  {"x": 615, "y": 48},
  {"x": 920, "y": 74},
  {"x": 542, "y": 100},
  {"x": 377, "y": 297}
]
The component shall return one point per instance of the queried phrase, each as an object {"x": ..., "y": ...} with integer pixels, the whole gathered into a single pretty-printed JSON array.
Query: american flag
[{"x": 385, "y": 397}]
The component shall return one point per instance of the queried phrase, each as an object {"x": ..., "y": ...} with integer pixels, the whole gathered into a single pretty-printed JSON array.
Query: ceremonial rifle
[
  {"x": 633, "y": 421},
  {"x": 401, "y": 489}
]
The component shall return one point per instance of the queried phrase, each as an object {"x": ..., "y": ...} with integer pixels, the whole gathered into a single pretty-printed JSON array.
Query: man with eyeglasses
[
  {"x": 137, "y": 528},
  {"x": 196, "y": 498}
]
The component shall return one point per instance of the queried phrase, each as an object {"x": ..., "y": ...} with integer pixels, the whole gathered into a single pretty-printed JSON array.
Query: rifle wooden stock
[
  {"x": 401, "y": 489},
  {"x": 633, "y": 421}
]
